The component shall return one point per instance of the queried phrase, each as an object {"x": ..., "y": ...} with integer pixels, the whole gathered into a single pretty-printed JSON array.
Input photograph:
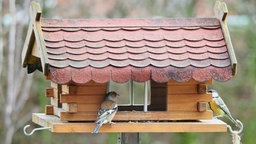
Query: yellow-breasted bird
[
  {"x": 218, "y": 106},
  {"x": 107, "y": 111}
]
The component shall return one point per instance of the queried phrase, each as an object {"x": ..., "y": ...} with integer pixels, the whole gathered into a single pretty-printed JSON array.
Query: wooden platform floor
[{"x": 58, "y": 126}]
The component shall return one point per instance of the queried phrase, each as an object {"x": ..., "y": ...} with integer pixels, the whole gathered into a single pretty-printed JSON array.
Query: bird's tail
[
  {"x": 96, "y": 129},
  {"x": 234, "y": 121}
]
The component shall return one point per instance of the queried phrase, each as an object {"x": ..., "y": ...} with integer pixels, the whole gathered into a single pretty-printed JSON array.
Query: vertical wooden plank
[
  {"x": 158, "y": 96},
  {"x": 59, "y": 94},
  {"x": 54, "y": 85},
  {"x": 54, "y": 101}
]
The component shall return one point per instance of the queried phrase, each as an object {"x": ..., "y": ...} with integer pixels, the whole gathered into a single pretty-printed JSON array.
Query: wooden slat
[
  {"x": 221, "y": 11},
  {"x": 87, "y": 89},
  {"x": 186, "y": 102},
  {"x": 89, "y": 99},
  {"x": 70, "y": 107},
  {"x": 49, "y": 92},
  {"x": 230, "y": 47},
  {"x": 212, "y": 125},
  {"x": 68, "y": 89},
  {"x": 182, "y": 89},
  {"x": 55, "y": 93},
  {"x": 96, "y": 90},
  {"x": 56, "y": 89},
  {"x": 189, "y": 98},
  {"x": 35, "y": 51},
  {"x": 49, "y": 110},
  {"x": 135, "y": 116},
  {"x": 28, "y": 44},
  {"x": 185, "y": 107},
  {"x": 88, "y": 107},
  {"x": 41, "y": 44},
  {"x": 54, "y": 85},
  {"x": 54, "y": 101},
  {"x": 57, "y": 111},
  {"x": 202, "y": 88},
  {"x": 201, "y": 106}
]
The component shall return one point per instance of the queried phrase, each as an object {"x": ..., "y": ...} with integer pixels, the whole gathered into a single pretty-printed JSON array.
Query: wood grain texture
[
  {"x": 49, "y": 92},
  {"x": 49, "y": 110},
  {"x": 90, "y": 88},
  {"x": 54, "y": 102},
  {"x": 57, "y": 126},
  {"x": 85, "y": 99},
  {"x": 81, "y": 102},
  {"x": 186, "y": 103},
  {"x": 202, "y": 88},
  {"x": 182, "y": 89},
  {"x": 70, "y": 107},
  {"x": 202, "y": 106},
  {"x": 138, "y": 116}
]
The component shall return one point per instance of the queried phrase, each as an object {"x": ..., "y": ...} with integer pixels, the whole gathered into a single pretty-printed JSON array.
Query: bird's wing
[
  {"x": 222, "y": 105},
  {"x": 107, "y": 108}
]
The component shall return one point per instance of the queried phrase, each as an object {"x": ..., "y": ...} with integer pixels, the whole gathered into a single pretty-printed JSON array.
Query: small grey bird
[{"x": 107, "y": 110}]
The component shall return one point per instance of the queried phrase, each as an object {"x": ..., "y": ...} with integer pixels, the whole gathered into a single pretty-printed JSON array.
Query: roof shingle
[{"x": 138, "y": 49}]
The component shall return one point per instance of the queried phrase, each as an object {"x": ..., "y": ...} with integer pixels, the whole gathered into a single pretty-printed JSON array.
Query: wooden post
[{"x": 129, "y": 138}]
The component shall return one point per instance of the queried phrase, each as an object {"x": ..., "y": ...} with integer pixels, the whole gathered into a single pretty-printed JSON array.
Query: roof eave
[
  {"x": 34, "y": 35},
  {"x": 28, "y": 45},
  {"x": 221, "y": 11}
]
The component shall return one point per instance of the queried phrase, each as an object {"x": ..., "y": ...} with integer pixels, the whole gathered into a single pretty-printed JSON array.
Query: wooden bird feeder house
[{"x": 160, "y": 67}]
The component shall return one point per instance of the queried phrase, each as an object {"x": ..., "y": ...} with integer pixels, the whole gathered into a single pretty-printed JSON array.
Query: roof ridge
[{"x": 128, "y": 22}]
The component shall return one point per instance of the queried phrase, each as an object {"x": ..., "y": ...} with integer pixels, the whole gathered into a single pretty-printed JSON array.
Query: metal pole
[
  {"x": 129, "y": 138},
  {"x": 146, "y": 97}
]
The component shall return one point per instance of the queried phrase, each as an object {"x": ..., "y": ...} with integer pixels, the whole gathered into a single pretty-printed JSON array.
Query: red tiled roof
[{"x": 140, "y": 49}]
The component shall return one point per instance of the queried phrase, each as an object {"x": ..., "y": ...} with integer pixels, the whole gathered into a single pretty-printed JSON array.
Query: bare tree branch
[
  {"x": 24, "y": 96},
  {"x": 21, "y": 24},
  {"x": 11, "y": 50},
  {"x": 21, "y": 73},
  {"x": 1, "y": 47}
]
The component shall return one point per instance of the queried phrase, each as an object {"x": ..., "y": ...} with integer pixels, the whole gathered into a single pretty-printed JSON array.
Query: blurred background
[{"x": 22, "y": 94}]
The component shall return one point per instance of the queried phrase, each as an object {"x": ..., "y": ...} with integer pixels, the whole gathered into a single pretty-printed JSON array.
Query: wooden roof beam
[
  {"x": 221, "y": 12},
  {"x": 34, "y": 34},
  {"x": 35, "y": 14}
]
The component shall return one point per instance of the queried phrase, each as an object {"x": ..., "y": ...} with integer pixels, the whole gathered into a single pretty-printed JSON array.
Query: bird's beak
[{"x": 117, "y": 94}]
